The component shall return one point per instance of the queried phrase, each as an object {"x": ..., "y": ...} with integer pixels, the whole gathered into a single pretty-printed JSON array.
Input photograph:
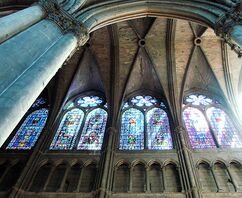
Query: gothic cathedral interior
[{"x": 121, "y": 98}]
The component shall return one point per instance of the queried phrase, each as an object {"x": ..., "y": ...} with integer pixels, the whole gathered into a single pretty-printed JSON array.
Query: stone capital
[
  {"x": 65, "y": 21},
  {"x": 226, "y": 23}
]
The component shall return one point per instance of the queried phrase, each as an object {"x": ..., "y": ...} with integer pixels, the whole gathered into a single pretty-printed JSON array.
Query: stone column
[
  {"x": 29, "y": 60},
  {"x": 180, "y": 177},
  {"x": 163, "y": 179},
  {"x": 61, "y": 189},
  {"x": 19, "y": 21},
  {"x": 48, "y": 178},
  {"x": 147, "y": 189},
  {"x": 131, "y": 170},
  {"x": 186, "y": 163},
  {"x": 236, "y": 187},
  {"x": 80, "y": 180},
  {"x": 114, "y": 178},
  {"x": 107, "y": 165},
  {"x": 215, "y": 180}
]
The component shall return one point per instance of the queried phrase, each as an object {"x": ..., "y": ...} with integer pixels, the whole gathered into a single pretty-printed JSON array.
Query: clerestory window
[
  {"x": 207, "y": 124},
  {"x": 145, "y": 125},
  {"x": 82, "y": 126},
  {"x": 32, "y": 126}
]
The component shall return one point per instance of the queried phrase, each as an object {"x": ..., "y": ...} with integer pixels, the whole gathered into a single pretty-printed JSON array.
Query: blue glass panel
[
  {"x": 197, "y": 128},
  {"x": 93, "y": 131},
  {"x": 29, "y": 131},
  {"x": 198, "y": 100},
  {"x": 132, "y": 130},
  {"x": 223, "y": 128},
  {"x": 89, "y": 101},
  {"x": 158, "y": 130},
  {"x": 67, "y": 132}
]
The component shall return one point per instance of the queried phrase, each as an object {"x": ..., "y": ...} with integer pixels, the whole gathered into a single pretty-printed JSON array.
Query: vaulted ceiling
[
  {"x": 160, "y": 56},
  {"x": 166, "y": 57}
]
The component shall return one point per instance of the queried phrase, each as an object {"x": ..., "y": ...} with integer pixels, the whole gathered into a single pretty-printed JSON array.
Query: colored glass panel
[
  {"x": 224, "y": 130},
  {"x": 93, "y": 131},
  {"x": 38, "y": 102},
  {"x": 67, "y": 132},
  {"x": 197, "y": 128},
  {"x": 89, "y": 101},
  {"x": 158, "y": 130},
  {"x": 198, "y": 100},
  {"x": 29, "y": 131},
  {"x": 132, "y": 130},
  {"x": 141, "y": 101}
]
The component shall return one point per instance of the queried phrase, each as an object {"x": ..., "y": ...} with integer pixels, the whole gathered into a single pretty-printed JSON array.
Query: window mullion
[{"x": 210, "y": 128}]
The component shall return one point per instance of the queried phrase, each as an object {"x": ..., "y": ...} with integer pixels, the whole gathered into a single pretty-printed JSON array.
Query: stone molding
[
  {"x": 225, "y": 24},
  {"x": 64, "y": 20}
]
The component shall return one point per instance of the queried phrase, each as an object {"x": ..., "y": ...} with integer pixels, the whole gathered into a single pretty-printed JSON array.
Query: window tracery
[
  {"x": 83, "y": 125},
  {"x": 208, "y": 126},
  {"x": 145, "y": 124}
]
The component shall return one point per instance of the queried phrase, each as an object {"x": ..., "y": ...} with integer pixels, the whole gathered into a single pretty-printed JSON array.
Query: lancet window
[
  {"x": 32, "y": 126},
  {"x": 82, "y": 126},
  {"x": 207, "y": 124},
  {"x": 145, "y": 125}
]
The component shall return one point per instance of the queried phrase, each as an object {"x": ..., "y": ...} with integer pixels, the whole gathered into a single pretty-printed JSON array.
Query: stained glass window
[
  {"x": 67, "y": 132},
  {"x": 197, "y": 128},
  {"x": 89, "y": 101},
  {"x": 158, "y": 130},
  {"x": 225, "y": 132},
  {"x": 93, "y": 131},
  {"x": 132, "y": 130},
  {"x": 28, "y": 133}
]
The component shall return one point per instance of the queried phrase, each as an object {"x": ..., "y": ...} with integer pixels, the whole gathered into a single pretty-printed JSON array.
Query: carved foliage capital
[
  {"x": 65, "y": 21},
  {"x": 225, "y": 23}
]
